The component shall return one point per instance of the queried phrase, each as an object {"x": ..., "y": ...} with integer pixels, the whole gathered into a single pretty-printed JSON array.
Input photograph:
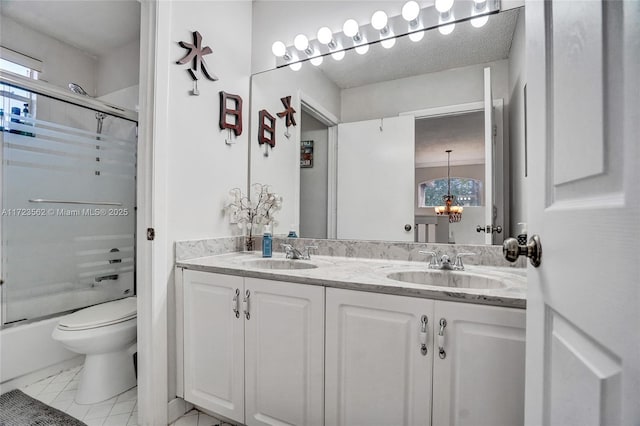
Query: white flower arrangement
[{"x": 252, "y": 212}]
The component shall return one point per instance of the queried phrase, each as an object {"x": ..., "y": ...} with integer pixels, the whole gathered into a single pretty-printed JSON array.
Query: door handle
[
  {"x": 533, "y": 250},
  {"x": 245, "y": 303},
  {"x": 235, "y": 303},
  {"x": 441, "y": 352},
  {"x": 423, "y": 334}
]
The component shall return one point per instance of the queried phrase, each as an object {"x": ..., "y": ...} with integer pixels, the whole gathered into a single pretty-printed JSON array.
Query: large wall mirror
[{"x": 373, "y": 129}]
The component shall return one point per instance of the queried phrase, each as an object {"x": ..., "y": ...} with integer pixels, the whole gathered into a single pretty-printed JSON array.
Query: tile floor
[
  {"x": 196, "y": 418},
  {"x": 59, "y": 391}
]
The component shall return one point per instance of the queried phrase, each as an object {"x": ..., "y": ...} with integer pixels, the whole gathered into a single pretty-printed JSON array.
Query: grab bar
[{"x": 94, "y": 203}]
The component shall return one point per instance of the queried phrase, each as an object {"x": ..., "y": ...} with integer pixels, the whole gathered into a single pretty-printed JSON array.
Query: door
[
  {"x": 213, "y": 344},
  {"x": 583, "y": 305},
  {"x": 489, "y": 125},
  {"x": 479, "y": 378},
  {"x": 284, "y": 350},
  {"x": 376, "y": 373},
  {"x": 376, "y": 179}
]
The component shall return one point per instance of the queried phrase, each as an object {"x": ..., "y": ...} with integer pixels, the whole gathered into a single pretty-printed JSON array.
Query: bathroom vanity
[{"x": 351, "y": 341}]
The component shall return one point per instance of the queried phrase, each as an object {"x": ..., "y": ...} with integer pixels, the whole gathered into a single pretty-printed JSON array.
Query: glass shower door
[{"x": 68, "y": 206}]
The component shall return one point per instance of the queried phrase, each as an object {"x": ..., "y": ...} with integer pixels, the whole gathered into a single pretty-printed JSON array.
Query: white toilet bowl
[{"x": 106, "y": 334}]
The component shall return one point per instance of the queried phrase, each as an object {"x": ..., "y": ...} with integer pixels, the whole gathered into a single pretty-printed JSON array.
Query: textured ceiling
[
  {"x": 94, "y": 26},
  {"x": 435, "y": 52},
  {"x": 464, "y": 134}
]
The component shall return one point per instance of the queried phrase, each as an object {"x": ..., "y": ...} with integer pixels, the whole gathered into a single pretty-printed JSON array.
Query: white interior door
[
  {"x": 583, "y": 305},
  {"x": 376, "y": 181},
  {"x": 489, "y": 124}
]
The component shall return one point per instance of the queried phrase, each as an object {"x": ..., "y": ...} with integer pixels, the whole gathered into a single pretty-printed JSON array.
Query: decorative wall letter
[
  {"x": 288, "y": 111},
  {"x": 196, "y": 54},
  {"x": 267, "y": 130},
  {"x": 234, "y": 113}
]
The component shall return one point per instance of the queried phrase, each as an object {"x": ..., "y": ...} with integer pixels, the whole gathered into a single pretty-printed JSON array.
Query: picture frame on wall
[{"x": 306, "y": 154}]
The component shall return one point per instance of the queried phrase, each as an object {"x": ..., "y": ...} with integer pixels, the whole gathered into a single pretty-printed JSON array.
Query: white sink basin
[
  {"x": 457, "y": 279},
  {"x": 278, "y": 264}
]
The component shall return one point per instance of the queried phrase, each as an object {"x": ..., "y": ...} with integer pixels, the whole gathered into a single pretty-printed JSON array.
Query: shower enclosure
[{"x": 68, "y": 201}]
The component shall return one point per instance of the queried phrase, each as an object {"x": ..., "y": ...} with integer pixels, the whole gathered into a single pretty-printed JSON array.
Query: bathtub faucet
[{"x": 106, "y": 277}]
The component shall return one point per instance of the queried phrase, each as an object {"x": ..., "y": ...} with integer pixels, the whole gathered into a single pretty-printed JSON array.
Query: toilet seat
[{"x": 101, "y": 315}]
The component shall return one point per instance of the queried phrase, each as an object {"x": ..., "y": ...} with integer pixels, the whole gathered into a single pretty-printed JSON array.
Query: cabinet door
[
  {"x": 213, "y": 344},
  {"x": 375, "y": 371},
  {"x": 284, "y": 353},
  {"x": 480, "y": 380}
]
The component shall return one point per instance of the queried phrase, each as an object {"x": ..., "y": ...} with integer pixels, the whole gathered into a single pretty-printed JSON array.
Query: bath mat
[{"x": 19, "y": 409}]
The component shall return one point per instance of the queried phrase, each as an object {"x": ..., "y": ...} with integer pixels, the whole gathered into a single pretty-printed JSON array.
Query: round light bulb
[
  {"x": 350, "y": 27},
  {"x": 388, "y": 43},
  {"x": 417, "y": 36},
  {"x": 446, "y": 29},
  {"x": 325, "y": 35},
  {"x": 480, "y": 21},
  {"x": 316, "y": 60},
  {"x": 443, "y": 6},
  {"x": 301, "y": 42},
  {"x": 296, "y": 66},
  {"x": 410, "y": 10},
  {"x": 362, "y": 49},
  {"x": 278, "y": 48},
  {"x": 338, "y": 56},
  {"x": 379, "y": 20}
]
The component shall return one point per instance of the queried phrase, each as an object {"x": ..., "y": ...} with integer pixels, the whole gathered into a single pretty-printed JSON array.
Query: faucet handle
[
  {"x": 288, "y": 250},
  {"x": 433, "y": 261},
  {"x": 459, "y": 265},
  {"x": 308, "y": 250}
]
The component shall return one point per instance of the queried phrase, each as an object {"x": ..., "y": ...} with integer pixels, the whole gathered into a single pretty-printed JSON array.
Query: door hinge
[
  {"x": 495, "y": 131},
  {"x": 151, "y": 234}
]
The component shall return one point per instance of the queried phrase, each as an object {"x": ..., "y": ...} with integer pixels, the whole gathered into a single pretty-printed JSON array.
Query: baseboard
[
  {"x": 178, "y": 407},
  {"x": 43, "y": 373}
]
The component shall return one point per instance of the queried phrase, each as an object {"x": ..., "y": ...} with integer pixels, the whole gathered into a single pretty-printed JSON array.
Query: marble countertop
[{"x": 371, "y": 275}]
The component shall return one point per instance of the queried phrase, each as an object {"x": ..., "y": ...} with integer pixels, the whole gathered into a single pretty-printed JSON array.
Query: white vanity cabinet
[
  {"x": 284, "y": 354},
  {"x": 213, "y": 344},
  {"x": 263, "y": 365},
  {"x": 377, "y": 375},
  {"x": 478, "y": 380},
  {"x": 375, "y": 370}
]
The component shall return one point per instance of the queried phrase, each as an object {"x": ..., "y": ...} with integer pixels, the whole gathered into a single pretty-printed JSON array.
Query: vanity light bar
[{"x": 332, "y": 43}]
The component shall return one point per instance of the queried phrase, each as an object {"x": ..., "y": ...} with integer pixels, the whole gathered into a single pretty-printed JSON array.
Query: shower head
[{"x": 77, "y": 89}]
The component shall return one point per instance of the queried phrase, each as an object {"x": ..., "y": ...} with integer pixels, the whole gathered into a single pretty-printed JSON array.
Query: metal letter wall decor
[
  {"x": 267, "y": 131},
  {"x": 196, "y": 54},
  {"x": 234, "y": 113},
  {"x": 288, "y": 113}
]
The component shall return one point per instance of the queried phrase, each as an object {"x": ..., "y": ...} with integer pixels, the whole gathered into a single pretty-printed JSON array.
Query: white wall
[
  {"x": 201, "y": 168},
  {"x": 517, "y": 80},
  {"x": 313, "y": 180},
  {"x": 118, "y": 69},
  {"x": 281, "y": 169},
  {"x": 450, "y": 87},
  {"x": 61, "y": 62}
]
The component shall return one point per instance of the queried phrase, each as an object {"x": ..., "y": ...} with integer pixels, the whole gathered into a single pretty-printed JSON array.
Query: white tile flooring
[
  {"x": 196, "y": 418},
  {"x": 59, "y": 391}
]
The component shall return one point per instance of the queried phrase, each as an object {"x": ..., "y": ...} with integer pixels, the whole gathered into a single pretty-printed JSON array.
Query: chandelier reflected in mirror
[{"x": 451, "y": 207}]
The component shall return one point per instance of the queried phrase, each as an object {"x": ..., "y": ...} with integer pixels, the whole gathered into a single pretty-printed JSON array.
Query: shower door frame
[{"x": 45, "y": 89}]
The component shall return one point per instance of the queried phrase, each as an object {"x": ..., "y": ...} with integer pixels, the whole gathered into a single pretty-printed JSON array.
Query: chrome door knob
[{"x": 533, "y": 250}]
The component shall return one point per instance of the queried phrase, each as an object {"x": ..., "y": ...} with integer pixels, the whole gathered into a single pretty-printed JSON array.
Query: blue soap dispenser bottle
[{"x": 267, "y": 242}]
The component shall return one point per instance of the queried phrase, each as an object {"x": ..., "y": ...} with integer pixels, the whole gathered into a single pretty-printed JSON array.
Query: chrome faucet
[
  {"x": 293, "y": 253},
  {"x": 444, "y": 262}
]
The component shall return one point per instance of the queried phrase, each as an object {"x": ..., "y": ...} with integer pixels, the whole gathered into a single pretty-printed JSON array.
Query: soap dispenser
[{"x": 267, "y": 242}]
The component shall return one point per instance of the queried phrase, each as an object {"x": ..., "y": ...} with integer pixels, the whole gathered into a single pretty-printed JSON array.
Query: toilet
[{"x": 106, "y": 334}]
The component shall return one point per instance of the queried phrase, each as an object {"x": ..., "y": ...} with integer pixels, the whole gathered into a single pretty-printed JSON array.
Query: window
[
  {"x": 468, "y": 192},
  {"x": 14, "y": 100}
]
